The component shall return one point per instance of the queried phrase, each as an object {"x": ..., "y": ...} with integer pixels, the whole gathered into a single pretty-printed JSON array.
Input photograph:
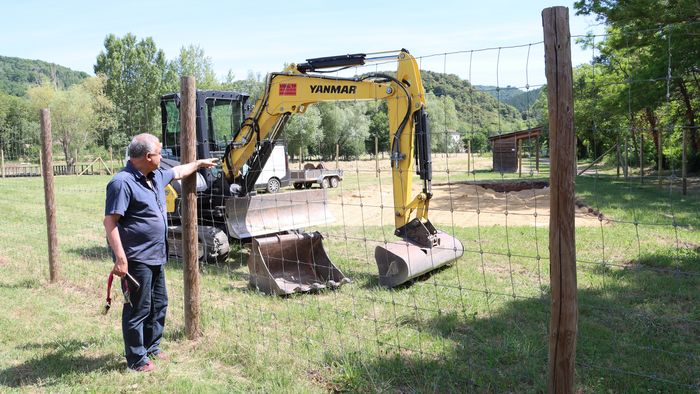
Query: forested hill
[
  {"x": 520, "y": 99},
  {"x": 17, "y": 74},
  {"x": 477, "y": 110}
]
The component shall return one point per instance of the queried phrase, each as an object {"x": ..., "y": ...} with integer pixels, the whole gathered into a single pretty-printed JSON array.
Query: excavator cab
[{"x": 234, "y": 209}]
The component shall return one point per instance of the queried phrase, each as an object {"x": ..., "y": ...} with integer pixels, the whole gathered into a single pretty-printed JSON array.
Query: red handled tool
[
  {"x": 108, "y": 304},
  {"x": 125, "y": 290}
]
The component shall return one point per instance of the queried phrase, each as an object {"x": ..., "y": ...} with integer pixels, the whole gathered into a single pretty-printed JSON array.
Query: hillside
[
  {"x": 16, "y": 74},
  {"x": 512, "y": 96},
  {"x": 478, "y": 110}
]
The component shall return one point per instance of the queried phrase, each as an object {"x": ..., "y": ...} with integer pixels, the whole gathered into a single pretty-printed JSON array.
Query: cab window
[{"x": 224, "y": 120}]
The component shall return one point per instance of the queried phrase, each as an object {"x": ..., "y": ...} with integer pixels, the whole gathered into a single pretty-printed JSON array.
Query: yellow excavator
[{"x": 285, "y": 261}]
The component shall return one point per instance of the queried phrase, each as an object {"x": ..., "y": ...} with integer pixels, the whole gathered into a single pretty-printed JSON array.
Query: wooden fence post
[
  {"x": 684, "y": 162},
  {"x": 337, "y": 153},
  {"x": 2, "y": 162},
  {"x": 520, "y": 158},
  {"x": 49, "y": 202},
  {"x": 562, "y": 241},
  {"x": 469, "y": 156},
  {"x": 537, "y": 154},
  {"x": 618, "y": 158},
  {"x": 111, "y": 160},
  {"x": 188, "y": 144},
  {"x": 301, "y": 159},
  {"x": 625, "y": 167},
  {"x": 376, "y": 156},
  {"x": 641, "y": 156},
  {"x": 661, "y": 155}
]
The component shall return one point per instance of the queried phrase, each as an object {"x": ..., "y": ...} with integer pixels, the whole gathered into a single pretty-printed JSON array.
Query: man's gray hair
[{"x": 142, "y": 144}]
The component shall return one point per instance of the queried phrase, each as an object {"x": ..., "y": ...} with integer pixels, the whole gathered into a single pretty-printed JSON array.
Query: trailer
[{"x": 315, "y": 174}]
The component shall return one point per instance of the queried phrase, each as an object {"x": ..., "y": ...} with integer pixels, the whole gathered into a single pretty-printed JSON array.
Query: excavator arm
[
  {"x": 293, "y": 91},
  {"x": 422, "y": 247}
]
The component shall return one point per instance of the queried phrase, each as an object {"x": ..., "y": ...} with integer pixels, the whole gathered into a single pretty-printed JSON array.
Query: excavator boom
[{"x": 422, "y": 248}]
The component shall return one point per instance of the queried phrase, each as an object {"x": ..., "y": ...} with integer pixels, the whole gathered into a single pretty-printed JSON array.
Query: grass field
[{"x": 479, "y": 325}]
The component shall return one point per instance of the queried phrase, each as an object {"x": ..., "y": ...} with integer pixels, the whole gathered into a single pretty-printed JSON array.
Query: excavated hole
[{"x": 505, "y": 187}]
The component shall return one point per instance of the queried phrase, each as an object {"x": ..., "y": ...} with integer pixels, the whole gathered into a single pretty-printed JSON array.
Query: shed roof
[{"x": 519, "y": 135}]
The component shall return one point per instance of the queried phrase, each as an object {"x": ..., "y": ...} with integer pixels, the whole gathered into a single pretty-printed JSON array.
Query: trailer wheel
[
  {"x": 308, "y": 185},
  {"x": 273, "y": 185},
  {"x": 335, "y": 182},
  {"x": 298, "y": 185},
  {"x": 325, "y": 183}
]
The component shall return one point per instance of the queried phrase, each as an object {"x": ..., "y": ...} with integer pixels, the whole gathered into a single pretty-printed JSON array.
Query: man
[{"x": 136, "y": 225}]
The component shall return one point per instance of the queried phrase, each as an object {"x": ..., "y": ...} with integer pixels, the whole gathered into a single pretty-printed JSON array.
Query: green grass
[{"x": 480, "y": 325}]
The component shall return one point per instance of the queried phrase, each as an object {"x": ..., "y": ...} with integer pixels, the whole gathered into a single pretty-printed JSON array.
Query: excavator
[{"x": 284, "y": 259}]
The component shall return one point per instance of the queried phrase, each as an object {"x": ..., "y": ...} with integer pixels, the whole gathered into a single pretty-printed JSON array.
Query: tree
[
  {"x": 663, "y": 38},
  {"x": 303, "y": 130},
  {"x": 19, "y": 129},
  {"x": 76, "y": 114},
  {"x": 193, "y": 62},
  {"x": 252, "y": 85},
  {"x": 443, "y": 123},
  {"x": 378, "y": 126},
  {"x": 136, "y": 76},
  {"x": 479, "y": 141},
  {"x": 105, "y": 115},
  {"x": 346, "y": 125}
]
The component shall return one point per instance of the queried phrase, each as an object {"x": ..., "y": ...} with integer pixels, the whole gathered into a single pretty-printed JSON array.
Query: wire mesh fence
[{"x": 477, "y": 323}]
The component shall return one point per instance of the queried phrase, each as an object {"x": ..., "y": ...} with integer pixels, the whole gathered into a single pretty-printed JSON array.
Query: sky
[{"x": 459, "y": 37}]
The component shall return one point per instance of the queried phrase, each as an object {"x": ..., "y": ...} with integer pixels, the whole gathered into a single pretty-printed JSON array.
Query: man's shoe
[
  {"x": 148, "y": 367},
  {"x": 159, "y": 356}
]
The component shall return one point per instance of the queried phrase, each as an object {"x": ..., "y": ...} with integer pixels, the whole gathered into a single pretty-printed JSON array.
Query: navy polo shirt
[{"x": 143, "y": 225}]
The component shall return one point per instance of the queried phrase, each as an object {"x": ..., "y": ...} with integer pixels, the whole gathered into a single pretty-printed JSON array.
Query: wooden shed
[{"x": 505, "y": 149}]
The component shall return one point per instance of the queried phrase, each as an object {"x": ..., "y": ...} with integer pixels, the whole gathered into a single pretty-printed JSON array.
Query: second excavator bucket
[
  {"x": 291, "y": 263},
  {"x": 264, "y": 214},
  {"x": 422, "y": 250}
]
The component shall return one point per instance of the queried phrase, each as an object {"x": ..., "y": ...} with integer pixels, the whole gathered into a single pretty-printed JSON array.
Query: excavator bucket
[
  {"x": 264, "y": 214},
  {"x": 290, "y": 263},
  {"x": 422, "y": 250}
]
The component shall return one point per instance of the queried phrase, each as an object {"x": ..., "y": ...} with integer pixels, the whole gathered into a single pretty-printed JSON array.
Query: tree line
[
  {"x": 96, "y": 113},
  {"x": 641, "y": 90},
  {"x": 641, "y": 86}
]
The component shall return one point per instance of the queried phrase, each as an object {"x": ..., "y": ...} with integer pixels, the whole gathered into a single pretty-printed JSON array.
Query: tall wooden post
[
  {"x": 49, "y": 202},
  {"x": 111, "y": 159},
  {"x": 625, "y": 167},
  {"x": 469, "y": 156},
  {"x": 337, "y": 154},
  {"x": 301, "y": 159},
  {"x": 537, "y": 154},
  {"x": 2, "y": 162},
  {"x": 562, "y": 241},
  {"x": 376, "y": 156},
  {"x": 641, "y": 157},
  {"x": 617, "y": 157},
  {"x": 684, "y": 162},
  {"x": 520, "y": 158},
  {"x": 188, "y": 144},
  {"x": 661, "y": 155}
]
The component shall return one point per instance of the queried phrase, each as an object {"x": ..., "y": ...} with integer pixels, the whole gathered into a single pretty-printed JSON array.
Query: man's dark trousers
[{"x": 142, "y": 324}]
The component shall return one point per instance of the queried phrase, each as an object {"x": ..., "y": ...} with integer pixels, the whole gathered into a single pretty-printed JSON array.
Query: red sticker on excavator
[{"x": 288, "y": 89}]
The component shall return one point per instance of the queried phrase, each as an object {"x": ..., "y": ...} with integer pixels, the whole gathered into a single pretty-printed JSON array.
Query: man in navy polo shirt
[{"x": 136, "y": 226}]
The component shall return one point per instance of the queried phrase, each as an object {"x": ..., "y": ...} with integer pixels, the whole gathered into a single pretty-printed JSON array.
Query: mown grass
[{"x": 480, "y": 325}]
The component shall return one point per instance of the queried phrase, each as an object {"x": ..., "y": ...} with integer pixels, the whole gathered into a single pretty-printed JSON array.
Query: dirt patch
[
  {"x": 460, "y": 205},
  {"x": 505, "y": 187}
]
